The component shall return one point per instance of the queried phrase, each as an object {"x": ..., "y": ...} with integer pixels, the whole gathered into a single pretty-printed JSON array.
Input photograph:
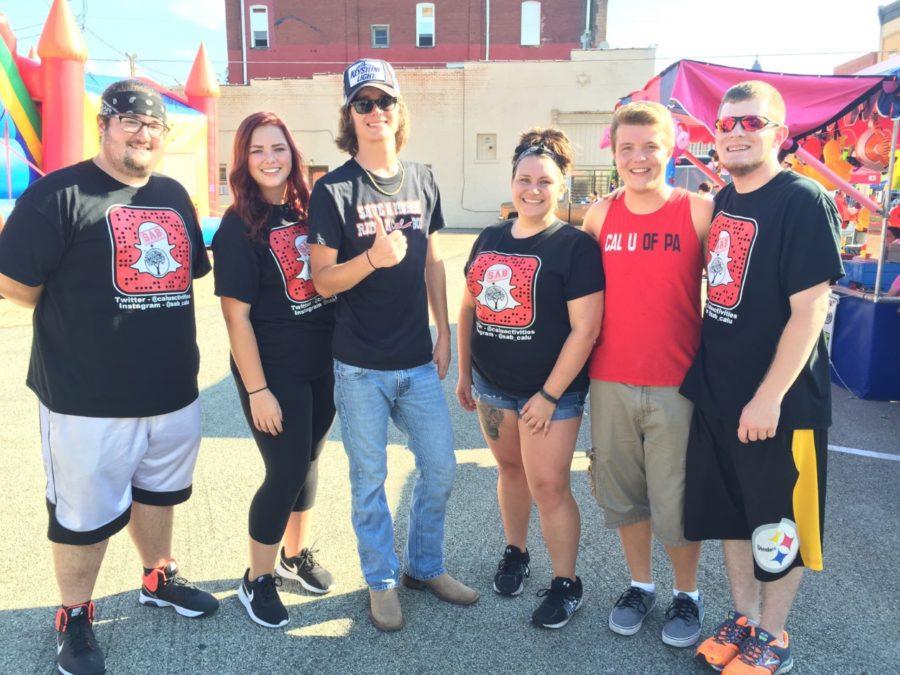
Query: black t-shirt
[
  {"x": 292, "y": 322},
  {"x": 521, "y": 287},
  {"x": 114, "y": 330},
  {"x": 763, "y": 247},
  {"x": 382, "y": 322}
]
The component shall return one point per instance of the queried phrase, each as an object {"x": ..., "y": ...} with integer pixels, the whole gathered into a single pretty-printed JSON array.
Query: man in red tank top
[{"x": 650, "y": 236}]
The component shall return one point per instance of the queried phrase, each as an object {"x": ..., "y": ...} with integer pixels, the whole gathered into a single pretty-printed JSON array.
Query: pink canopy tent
[{"x": 693, "y": 90}]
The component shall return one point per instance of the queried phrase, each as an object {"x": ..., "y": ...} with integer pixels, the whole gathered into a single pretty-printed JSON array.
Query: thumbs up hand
[{"x": 388, "y": 249}]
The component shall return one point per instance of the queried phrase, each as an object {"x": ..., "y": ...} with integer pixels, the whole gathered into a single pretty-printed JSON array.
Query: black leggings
[{"x": 291, "y": 457}]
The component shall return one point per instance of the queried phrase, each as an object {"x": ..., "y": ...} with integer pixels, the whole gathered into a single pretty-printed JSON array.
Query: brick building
[{"x": 297, "y": 38}]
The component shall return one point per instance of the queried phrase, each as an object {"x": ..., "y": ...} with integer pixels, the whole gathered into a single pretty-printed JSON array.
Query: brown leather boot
[
  {"x": 384, "y": 610},
  {"x": 445, "y": 587}
]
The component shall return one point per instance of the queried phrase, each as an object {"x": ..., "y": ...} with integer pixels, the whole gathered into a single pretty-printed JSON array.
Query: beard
[
  {"x": 135, "y": 165},
  {"x": 744, "y": 168}
]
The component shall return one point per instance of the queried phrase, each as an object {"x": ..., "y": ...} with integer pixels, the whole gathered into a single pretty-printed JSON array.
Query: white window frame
[
  {"x": 531, "y": 24},
  {"x": 259, "y": 25},
  {"x": 387, "y": 31},
  {"x": 425, "y": 25}
]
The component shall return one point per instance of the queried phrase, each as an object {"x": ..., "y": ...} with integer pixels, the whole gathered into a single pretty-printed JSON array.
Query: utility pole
[{"x": 132, "y": 64}]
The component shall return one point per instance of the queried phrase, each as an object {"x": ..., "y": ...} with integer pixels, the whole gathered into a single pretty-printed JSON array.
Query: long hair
[
  {"x": 346, "y": 139},
  {"x": 249, "y": 203}
]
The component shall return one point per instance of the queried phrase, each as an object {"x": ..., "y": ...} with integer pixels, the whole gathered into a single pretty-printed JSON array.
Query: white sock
[
  {"x": 650, "y": 588},
  {"x": 693, "y": 595}
]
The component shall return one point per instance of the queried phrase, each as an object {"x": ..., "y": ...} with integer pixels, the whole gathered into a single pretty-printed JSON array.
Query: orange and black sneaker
[
  {"x": 724, "y": 645},
  {"x": 164, "y": 587},
  {"x": 77, "y": 651},
  {"x": 759, "y": 656}
]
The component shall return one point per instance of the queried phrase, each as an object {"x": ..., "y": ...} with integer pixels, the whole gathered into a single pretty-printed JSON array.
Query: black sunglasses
[{"x": 364, "y": 106}]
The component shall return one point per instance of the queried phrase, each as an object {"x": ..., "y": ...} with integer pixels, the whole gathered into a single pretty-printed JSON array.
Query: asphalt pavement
[{"x": 845, "y": 619}]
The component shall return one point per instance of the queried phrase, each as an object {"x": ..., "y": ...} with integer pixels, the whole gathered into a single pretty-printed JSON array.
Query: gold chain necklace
[{"x": 378, "y": 187}]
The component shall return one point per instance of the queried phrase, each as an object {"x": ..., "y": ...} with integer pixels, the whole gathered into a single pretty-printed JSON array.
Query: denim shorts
[{"x": 571, "y": 404}]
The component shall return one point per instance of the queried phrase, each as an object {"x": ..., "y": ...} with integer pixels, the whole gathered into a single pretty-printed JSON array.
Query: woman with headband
[
  {"x": 280, "y": 331},
  {"x": 526, "y": 328}
]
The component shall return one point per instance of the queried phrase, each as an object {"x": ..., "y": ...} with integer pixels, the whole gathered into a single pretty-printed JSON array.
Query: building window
[
  {"x": 259, "y": 27},
  {"x": 381, "y": 36},
  {"x": 223, "y": 179},
  {"x": 486, "y": 147},
  {"x": 425, "y": 24},
  {"x": 531, "y": 24}
]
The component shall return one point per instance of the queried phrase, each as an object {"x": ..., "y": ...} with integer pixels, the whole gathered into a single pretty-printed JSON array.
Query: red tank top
[{"x": 651, "y": 317}]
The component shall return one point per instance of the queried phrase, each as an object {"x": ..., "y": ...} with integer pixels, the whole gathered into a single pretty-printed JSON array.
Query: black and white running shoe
[
  {"x": 163, "y": 587},
  {"x": 260, "y": 598},
  {"x": 512, "y": 571},
  {"x": 561, "y": 601},
  {"x": 304, "y": 568},
  {"x": 77, "y": 651}
]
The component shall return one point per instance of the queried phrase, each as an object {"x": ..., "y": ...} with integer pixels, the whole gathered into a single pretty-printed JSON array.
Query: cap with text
[{"x": 369, "y": 73}]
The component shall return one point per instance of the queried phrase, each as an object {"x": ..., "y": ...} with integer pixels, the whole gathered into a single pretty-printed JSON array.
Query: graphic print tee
[
  {"x": 763, "y": 247},
  {"x": 521, "y": 287},
  {"x": 382, "y": 322},
  {"x": 292, "y": 322},
  {"x": 114, "y": 330}
]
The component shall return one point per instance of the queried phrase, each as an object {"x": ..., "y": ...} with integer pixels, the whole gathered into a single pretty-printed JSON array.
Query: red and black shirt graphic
[
  {"x": 151, "y": 250},
  {"x": 292, "y": 323},
  {"x": 730, "y": 244},
  {"x": 521, "y": 288},
  {"x": 503, "y": 287}
]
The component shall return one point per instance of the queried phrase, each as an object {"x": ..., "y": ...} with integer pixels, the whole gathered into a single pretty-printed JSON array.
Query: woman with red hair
[{"x": 280, "y": 331}]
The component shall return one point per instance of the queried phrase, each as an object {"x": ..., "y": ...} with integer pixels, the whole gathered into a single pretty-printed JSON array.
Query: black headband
[
  {"x": 539, "y": 149},
  {"x": 133, "y": 103}
]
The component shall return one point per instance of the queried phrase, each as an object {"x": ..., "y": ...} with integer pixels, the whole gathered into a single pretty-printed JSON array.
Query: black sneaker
[
  {"x": 77, "y": 651},
  {"x": 162, "y": 587},
  {"x": 304, "y": 568},
  {"x": 512, "y": 571},
  {"x": 561, "y": 601},
  {"x": 260, "y": 598}
]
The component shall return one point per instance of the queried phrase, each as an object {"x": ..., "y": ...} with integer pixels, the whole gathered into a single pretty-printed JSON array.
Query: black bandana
[
  {"x": 539, "y": 149},
  {"x": 133, "y": 103}
]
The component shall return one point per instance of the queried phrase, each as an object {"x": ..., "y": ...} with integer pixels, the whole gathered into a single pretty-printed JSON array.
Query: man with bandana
[{"x": 105, "y": 251}]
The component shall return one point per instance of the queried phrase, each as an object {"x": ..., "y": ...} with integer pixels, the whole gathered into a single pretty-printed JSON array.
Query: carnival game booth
[{"x": 839, "y": 126}]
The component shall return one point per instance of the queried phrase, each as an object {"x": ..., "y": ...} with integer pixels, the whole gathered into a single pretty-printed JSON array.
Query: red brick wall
[{"x": 312, "y": 36}]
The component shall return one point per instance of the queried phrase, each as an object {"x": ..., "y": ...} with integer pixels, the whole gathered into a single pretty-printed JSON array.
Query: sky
[{"x": 801, "y": 36}]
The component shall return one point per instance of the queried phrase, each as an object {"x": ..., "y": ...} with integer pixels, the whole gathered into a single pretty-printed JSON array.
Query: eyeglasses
[
  {"x": 747, "y": 122},
  {"x": 364, "y": 106},
  {"x": 132, "y": 125}
]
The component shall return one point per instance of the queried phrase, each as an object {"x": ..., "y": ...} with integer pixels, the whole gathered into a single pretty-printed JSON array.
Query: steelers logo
[{"x": 775, "y": 546}]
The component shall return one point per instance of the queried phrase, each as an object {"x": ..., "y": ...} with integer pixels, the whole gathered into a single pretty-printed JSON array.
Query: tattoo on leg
[{"x": 491, "y": 419}]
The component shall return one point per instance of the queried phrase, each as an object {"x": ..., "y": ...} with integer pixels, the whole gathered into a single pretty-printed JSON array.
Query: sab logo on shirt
[
  {"x": 151, "y": 250},
  {"x": 503, "y": 287},
  {"x": 730, "y": 244},
  {"x": 290, "y": 248}
]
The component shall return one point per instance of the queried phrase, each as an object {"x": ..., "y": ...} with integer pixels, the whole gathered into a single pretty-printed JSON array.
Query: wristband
[
  {"x": 250, "y": 393},
  {"x": 552, "y": 399},
  {"x": 370, "y": 260}
]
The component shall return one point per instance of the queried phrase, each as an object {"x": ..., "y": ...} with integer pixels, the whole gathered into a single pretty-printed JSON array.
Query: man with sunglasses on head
[
  {"x": 760, "y": 383},
  {"x": 105, "y": 252},
  {"x": 373, "y": 222}
]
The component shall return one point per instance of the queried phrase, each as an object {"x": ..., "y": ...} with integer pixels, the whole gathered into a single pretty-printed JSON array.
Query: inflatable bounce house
[{"x": 49, "y": 106}]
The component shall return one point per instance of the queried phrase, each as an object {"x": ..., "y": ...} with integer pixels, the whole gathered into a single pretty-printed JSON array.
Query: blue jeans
[{"x": 414, "y": 400}]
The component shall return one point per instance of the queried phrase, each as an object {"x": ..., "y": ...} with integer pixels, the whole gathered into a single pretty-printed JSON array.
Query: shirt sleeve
[
  {"x": 437, "y": 213},
  {"x": 200, "y": 266},
  {"x": 236, "y": 272},
  {"x": 585, "y": 273},
  {"x": 810, "y": 253},
  {"x": 32, "y": 244},
  {"x": 326, "y": 227}
]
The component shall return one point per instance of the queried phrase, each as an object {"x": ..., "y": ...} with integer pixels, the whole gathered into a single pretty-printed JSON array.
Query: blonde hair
[
  {"x": 760, "y": 91},
  {"x": 549, "y": 139},
  {"x": 645, "y": 114},
  {"x": 346, "y": 139}
]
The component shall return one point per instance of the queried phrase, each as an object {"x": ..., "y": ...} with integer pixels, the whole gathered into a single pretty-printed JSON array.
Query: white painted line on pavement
[{"x": 864, "y": 453}]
